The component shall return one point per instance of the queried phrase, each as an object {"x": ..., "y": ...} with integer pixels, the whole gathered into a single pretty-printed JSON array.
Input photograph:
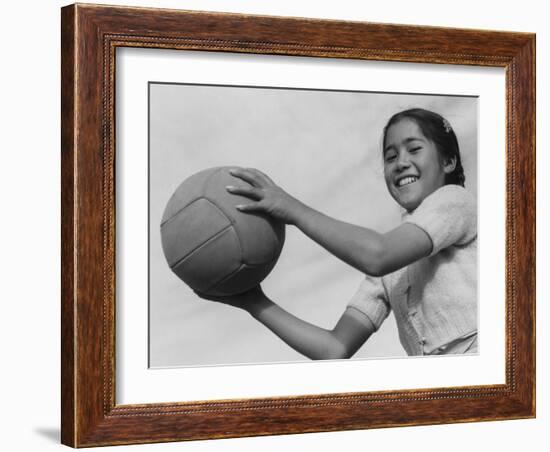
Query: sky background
[{"x": 323, "y": 147}]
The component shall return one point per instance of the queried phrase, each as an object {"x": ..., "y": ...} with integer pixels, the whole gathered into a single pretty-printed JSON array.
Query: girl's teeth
[{"x": 406, "y": 181}]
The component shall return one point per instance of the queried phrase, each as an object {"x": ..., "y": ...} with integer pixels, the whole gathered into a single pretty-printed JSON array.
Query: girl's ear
[{"x": 449, "y": 165}]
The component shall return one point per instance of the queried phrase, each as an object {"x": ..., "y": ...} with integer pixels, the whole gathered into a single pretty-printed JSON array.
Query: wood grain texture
[
  {"x": 90, "y": 36},
  {"x": 67, "y": 224}
]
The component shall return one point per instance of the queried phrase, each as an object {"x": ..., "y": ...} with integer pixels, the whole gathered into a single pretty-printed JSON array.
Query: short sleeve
[
  {"x": 448, "y": 216},
  {"x": 371, "y": 300}
]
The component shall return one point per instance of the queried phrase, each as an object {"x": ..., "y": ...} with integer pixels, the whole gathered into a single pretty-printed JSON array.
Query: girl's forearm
[
  {"x": 309, "y": 340},
  {"x": 362, "y": 248}
]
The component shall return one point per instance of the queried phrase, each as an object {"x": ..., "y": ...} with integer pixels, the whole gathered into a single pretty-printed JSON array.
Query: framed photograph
[{"x": 281, "y": 225}]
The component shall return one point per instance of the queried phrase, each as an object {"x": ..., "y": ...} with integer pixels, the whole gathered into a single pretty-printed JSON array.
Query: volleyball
[{"x": 209, "y": 244}]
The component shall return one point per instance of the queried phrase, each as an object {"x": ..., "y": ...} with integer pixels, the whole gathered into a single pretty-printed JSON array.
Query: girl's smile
[
  {"x": 412, "y": 166},
  {"x": 406, "y": 180}
]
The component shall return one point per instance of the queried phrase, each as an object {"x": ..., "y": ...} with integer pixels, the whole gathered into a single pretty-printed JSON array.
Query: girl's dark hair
[{"x": 437, "y": 129}]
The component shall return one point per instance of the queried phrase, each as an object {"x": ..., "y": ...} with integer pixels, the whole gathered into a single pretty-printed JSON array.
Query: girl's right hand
[{"x": 243, "y": 300}]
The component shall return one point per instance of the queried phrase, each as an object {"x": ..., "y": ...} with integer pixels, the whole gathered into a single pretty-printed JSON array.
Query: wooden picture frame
[{"x": 90, "y": 36}]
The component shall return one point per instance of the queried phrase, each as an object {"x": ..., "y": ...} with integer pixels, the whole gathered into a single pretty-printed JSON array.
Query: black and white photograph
[
  {"x": 235, "y": 225},
  {"x": 290, "y": 225}
]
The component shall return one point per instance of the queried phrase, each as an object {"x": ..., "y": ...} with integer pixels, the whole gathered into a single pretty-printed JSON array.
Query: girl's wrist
[
  {"x": 257, "y": 306},
  {"x": 297, "y": 213},
  {"x": 301, "y": 214}
]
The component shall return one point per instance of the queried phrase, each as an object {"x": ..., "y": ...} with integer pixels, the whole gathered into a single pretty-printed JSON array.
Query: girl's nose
[{"x": 403, "y": 161}]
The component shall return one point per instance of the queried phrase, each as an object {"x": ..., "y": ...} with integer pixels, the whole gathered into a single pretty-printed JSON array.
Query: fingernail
[
  {"x": 230, "y": 187},
  {"x": 240, "y": 207}
]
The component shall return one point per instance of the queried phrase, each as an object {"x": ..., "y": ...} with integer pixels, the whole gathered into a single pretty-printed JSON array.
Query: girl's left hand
[{"x": 266, "y": 196}]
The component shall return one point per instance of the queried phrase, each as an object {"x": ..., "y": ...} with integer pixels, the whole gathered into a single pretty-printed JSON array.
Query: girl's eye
[
  {"x": 390, "y": 157},
  {"x": 415, "y": 149}
]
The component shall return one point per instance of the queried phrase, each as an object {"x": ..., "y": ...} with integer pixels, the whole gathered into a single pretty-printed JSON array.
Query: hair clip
[{"x": 447, "y": 125}]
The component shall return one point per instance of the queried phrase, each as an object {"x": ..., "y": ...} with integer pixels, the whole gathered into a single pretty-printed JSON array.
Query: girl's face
[{"x": 412, "y": 166}]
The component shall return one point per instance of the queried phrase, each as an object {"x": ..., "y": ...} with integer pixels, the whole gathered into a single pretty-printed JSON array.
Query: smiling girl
[{"x": 424, "y": 270}]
